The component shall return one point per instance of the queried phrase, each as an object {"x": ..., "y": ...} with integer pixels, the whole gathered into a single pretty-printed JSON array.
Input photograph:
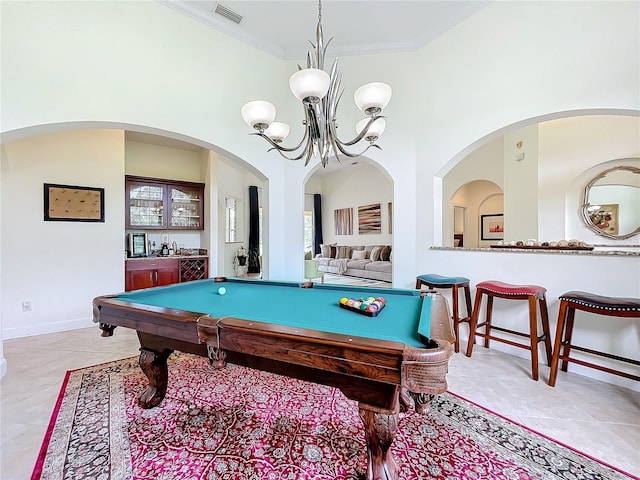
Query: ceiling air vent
[{"x": 229, "y": 14}]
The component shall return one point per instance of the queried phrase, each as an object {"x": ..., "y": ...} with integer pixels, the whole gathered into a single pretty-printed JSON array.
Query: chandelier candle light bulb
[{"x": 320, "y": 93}]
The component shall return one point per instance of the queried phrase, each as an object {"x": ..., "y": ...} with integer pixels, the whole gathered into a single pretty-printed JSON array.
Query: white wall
[
  {"x": 557, "y": 153},
  {"x": 233, "y": 181},
  {"x": 521, "y": 184},
  {"x": 495, "y": 71},
  {"x": 569, "y": 148},
  {"x": 148, "y": 160},
  {"x": 356, "y": 186},
  {"x": 59, "y": 266}
]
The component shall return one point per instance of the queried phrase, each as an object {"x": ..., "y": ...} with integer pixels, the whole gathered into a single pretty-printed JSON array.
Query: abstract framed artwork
[
  {"x": 369, "y": 221},
  {"x": 343, "y": 221},
  {"x": 492, "y": 226},
  {"x": 71, "y": 203}
]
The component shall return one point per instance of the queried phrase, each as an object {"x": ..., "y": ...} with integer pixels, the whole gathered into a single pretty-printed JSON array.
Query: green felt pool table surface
[{"x": 288, "y": 304}]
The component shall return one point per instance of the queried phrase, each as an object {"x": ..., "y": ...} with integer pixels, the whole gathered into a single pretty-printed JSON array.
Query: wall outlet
[{"x": 26, "y": 305}]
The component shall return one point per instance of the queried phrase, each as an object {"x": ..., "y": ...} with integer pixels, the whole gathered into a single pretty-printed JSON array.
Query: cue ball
[{"x": 222, "y": 291}]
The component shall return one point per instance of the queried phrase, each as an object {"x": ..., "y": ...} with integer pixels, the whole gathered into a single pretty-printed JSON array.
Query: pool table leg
[
  {"x": 421, "y": 402},
  {"x": 154, "y": 366},
  {"x": 107, "y": 330},
  {"x": 380, "y": 428},
  {"x": 217, "y": 356}
]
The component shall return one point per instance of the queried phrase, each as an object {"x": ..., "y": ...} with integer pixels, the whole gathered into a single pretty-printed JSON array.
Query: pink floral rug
[{"x": 242, "y": 424}]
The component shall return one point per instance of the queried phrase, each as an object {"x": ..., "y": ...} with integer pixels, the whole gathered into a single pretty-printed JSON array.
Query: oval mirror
[{"x": 611, "y": 203}]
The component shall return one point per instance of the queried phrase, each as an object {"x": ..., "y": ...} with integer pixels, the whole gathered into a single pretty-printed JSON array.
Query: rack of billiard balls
[{"x": 370, "y": 306}]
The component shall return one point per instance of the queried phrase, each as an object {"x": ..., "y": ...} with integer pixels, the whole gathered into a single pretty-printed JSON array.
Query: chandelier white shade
[
  {"x": 372, "y": 97},
  {"x": 320, "y": 93},
  {"x": 373, "y": 131},
  {"x": 309, "y": 84},
  {"x": 258, "y": 114},
  {"x": 277, "y": 131}
]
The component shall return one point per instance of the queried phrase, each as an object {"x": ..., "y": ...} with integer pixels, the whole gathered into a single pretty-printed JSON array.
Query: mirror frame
[{"x": 585, "y": 204}]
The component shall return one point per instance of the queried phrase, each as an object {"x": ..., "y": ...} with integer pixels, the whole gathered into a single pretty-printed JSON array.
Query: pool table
[{"x": 388, "y": 360}]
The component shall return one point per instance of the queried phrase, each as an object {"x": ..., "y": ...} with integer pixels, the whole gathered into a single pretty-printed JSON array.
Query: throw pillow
[
  {"x": 325, "y": 250},
  {"x": 375, "y": 253},
  {"x": 343, "y": 252},
  {"x": 333, "y": 252},
  {"x": 358, "y": 255},
  {"x": 385, "y": 253}
]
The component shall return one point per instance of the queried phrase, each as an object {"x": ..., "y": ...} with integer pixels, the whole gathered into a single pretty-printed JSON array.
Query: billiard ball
[{"x": 222, "y": 291}]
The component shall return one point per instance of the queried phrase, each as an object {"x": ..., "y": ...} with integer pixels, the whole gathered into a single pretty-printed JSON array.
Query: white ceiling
[{"x": 284, "y": 28}]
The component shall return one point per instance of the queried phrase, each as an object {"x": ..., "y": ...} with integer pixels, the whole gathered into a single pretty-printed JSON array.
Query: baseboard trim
[{"x": 43, "y": 328}]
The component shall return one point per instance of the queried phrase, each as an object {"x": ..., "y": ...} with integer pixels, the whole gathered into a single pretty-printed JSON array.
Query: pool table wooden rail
[
  {"x": 355, "y": 358},
  {"x": 382, "y": 376}
]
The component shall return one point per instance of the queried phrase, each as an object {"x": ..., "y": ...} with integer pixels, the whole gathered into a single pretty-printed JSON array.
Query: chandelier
[{"x": 320, "y": 93}]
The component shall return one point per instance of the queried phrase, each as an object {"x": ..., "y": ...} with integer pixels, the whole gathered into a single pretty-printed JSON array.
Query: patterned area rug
[{"x": 242, "y": 424}]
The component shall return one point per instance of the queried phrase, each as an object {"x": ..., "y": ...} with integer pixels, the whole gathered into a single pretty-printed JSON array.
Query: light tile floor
[{"x": 594, "y": 417}]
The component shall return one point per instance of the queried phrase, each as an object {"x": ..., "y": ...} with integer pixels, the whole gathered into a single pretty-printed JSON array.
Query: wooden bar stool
[
  {"x": 588, "y": 302},
  {"x": 531, "y": 293},
  {"x": 434, "y": 281}
]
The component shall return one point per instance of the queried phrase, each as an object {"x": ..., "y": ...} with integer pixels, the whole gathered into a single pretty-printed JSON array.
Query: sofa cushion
[
  {"x": 358, "y": 255},
  {"x": 323, "y": 261},
  {"x": 385, "y": 267},
  {"x": 375, "y": 253},
  {"x": 325, "y": 250},
  {"x": 343, "y": 252},
  {"x": 358, "y": 264},
  {"x": 385, "y": 253}
]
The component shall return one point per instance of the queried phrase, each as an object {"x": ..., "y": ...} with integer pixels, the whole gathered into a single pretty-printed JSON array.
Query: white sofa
[{"x": 370, "y": 261}]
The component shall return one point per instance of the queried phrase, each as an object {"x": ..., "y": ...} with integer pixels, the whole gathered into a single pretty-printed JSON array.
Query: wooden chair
[
  {"x": 589, "y": 302},
  {"x": 531, "y": 293}
]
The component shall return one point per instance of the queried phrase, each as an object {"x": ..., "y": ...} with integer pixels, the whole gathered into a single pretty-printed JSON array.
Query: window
[
  {"x": 231, "y": 219},
  {"x": 308, "y": 230}
]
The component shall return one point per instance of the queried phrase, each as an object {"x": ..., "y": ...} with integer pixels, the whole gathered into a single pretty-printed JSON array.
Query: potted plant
[{"x": 241, "y": 255}]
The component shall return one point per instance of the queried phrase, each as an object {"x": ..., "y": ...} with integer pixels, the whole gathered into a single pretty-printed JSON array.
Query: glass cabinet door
[
  {"x": 154, "y": 203},
  {"x": 186, "y": 211},
  {"x": 146, "y": 205}
]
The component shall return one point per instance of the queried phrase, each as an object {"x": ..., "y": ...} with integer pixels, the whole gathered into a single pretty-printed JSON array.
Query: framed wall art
[
  {"x": 369, "y": 221},
  {"x": 71, "y": 203},
  {"x": 492, "y": 226},
  {"x": 343, "y": 221}
]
